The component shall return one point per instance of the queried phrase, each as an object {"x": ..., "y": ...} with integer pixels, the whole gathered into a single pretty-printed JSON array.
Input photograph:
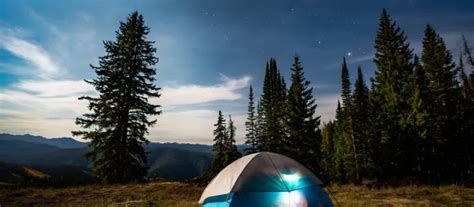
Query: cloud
[
  {"x": 195, "y": 94},
  {"x": 48, "y": 108},
  {"x": 55, "y": 88},
  {"x": 52, "y": 116},
  {"x": 193, "y": 126},
  {"x": 32, "y": 53}
]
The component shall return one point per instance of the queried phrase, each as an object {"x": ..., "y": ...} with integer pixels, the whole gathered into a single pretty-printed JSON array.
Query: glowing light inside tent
[
  {"x": 291, "y": 177},
  {"x": 293, "y": 181},
  {"x": 293, "y": 199}
]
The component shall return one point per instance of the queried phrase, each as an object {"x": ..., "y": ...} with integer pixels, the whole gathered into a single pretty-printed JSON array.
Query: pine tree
[
  {"x": 393, "y": 60},
  {"x": 251, "y": 136},
  {"x": 219, "y": 148},
  {"x": 301, "y": 125},
  {"x": 260, "y": 127},
  {"x": 273, "y": 99},
  {"x": 339, "y": 146},
  {"x": 441, "y": 77},
  {"x": 231, "y": 153},
  {"x": 350, "y": 149},
  {"x": 119, "y": 120},
  {"x": 417, "y": 120},
  {"x": 346, "y": 87},
  {"x": 361, "y": 128}
]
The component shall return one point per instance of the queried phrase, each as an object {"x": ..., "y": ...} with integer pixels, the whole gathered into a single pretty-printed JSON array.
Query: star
[{"x": 349, "y": 54}]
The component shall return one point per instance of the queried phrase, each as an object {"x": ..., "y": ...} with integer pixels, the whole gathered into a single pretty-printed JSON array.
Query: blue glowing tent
[{"x": 265, "y": 179}]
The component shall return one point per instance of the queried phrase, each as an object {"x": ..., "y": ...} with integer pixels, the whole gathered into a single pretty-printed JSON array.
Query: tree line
[{"x": 414, "y": 122}]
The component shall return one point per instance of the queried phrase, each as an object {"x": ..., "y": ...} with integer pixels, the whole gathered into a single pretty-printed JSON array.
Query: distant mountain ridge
[
  {"x": 62, "y": 142},
  {"x": 166, "y": 160}
]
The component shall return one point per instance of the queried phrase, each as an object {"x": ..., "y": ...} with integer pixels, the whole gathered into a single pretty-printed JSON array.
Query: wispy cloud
[
  {"x": 57, "y": 88},
  {"x": 195, "y": 94},
  {"x": 49, "y": 108},
  {"x": 193, "y": 126},
  {"x": 33, "y": 53}
]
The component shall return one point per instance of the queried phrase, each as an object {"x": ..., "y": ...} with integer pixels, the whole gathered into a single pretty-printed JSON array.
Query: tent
[{"x": 265, "y": 179}]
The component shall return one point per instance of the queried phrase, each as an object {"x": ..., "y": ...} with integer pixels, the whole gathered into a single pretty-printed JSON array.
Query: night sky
[{"x": 210, "y": 52}]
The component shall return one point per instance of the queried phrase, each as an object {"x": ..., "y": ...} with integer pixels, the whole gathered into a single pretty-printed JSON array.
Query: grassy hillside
[
  {"x": 164, "y": 162},
  {"x": 176, "y": 194},
  {"x": 177, "y": 164},
  {"x": 40, "y": 175}
]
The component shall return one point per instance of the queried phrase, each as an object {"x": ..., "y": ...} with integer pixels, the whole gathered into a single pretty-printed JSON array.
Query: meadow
[{"x": 177, "y": 194}]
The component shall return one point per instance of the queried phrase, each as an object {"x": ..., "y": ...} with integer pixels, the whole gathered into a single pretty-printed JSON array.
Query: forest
[{"x": 411, "y": 122}]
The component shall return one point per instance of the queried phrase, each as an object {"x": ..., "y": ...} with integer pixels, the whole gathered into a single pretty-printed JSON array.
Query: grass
[
  {"x": 176, "y": 194},
  {"x": 449, "y": 195}
]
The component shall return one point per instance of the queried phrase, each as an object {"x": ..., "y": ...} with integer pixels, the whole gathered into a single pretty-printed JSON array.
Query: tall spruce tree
[
  {"x": 303, "y": 136},
  {"x": 273, "y": 99},
  {"x": 416, "y": 121},
  {"x": 118, "y": 121},
  {"x": 393, "y": 60},
  {"x": 250, "y": 125},
  {"x": 441, "y": 76},
  {"x": 231, "y": 153},
  {"x": 219, "y": 148},
  {"x": 361, "y": 127},
  {"x": 260, "y": 127},
  {"x": 345, "y": 124},
  {"x": 339, "y": 146}
]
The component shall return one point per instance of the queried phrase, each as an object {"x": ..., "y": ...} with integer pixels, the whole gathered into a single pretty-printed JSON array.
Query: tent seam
[
  {"x": 238, "y": 177},
  {"x": 278, "y": 172}
]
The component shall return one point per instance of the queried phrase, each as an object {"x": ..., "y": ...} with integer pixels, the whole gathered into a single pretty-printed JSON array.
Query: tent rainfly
[{"x": 265, "y": 179}]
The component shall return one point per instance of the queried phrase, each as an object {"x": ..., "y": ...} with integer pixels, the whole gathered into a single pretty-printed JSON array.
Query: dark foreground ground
[{"x": 176, "y": 194}]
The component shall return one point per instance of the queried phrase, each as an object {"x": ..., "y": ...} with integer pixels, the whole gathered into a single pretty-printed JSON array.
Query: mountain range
[{"x": 51, "y": 156}]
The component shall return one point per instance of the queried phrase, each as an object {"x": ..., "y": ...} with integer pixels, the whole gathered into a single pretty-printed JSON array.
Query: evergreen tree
[
  {"x": 393, "y": 60},
  {"x": 339, "y": 146},
  {"x": 219, "y": 148},
  {"x": 417, "y": 120},
  {"x": 231, "y": 153},
  {"x": 118, "y": 121},
  {"x": 273, "y": 99},
  {"x": 441, "y": 77},
  {"x": 351, "y": 164},
  {"x": 301, "y": 124},
  {"x": 361, "y": 127},
  {"x": 251, "y": 138},
  {"x": 259, "y": 127},
  {"x": 346, "y": 87}
]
